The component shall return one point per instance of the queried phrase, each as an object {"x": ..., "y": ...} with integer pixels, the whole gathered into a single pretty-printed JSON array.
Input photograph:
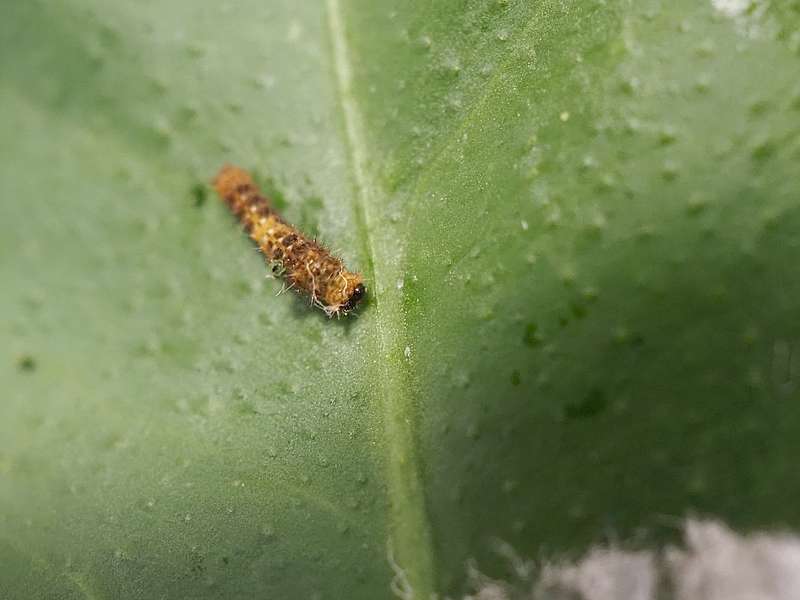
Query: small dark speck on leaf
[
  {"x": 26, "y": 363},
  {"x": 594, "y": 403},
  {"x": 200, "y": 194},
  {"x": 532, "y": 337},
  {"x": 578, "y": 310},
  {"x": 763, "y": 150}
]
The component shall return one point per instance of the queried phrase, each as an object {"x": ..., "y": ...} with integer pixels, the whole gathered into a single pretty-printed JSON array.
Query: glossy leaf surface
[{"x": 578, "y": 222}]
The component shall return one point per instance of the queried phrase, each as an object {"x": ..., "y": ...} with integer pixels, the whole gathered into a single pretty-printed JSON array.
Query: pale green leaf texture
[{"x": 579, "y": 224}]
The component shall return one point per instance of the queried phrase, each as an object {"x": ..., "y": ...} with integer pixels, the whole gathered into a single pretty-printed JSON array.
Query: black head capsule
[{"x": 358, "y": 293}]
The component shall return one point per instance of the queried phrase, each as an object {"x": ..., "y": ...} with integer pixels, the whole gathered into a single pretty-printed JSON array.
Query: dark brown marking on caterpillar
[{"x": 303, "y": 263}]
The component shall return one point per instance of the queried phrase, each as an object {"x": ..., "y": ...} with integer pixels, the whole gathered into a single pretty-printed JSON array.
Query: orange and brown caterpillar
[{"x": 303, "y": 263}]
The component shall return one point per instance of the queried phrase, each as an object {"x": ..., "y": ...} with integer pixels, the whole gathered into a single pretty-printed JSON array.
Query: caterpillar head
[{"x": 344, "y": 298}]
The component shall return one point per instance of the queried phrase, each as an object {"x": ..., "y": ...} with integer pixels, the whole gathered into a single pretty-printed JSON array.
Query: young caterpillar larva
[{"x": 305, "y": 265}]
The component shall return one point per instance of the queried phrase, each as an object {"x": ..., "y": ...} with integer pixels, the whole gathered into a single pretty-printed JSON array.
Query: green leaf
[{"x": 578, "y": 222}]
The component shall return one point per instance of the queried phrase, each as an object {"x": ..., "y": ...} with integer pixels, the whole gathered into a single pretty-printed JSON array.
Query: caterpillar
[{"x": 305, "y": 265}]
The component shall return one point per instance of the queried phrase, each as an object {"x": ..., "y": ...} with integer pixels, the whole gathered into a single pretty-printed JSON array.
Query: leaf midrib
[{"x": 409, "y": 548}]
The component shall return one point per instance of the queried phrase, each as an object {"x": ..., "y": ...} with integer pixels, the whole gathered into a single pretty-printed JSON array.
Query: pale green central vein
[{"x": 411, "y": 547}]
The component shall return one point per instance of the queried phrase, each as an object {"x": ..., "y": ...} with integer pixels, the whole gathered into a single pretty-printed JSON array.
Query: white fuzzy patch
[
  {"x": 731, "y": 8},
  {"x": 718, "y": 564},
  {"x": 604, "y": 574},
  {"x": 750, "y": 17},
  {"x": 714, "y": 564}
]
